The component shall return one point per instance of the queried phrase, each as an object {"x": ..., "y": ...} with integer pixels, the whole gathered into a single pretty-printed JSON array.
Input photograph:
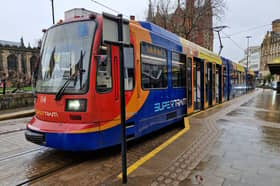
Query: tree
[{"x": 189, "y": 21}]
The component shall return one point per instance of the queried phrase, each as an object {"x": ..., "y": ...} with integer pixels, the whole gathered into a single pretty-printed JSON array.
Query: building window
[
  {"x": 1, "y": 63},
  {"x": 23, "y": 64},
  {"x": 33, "y": 60},
  {"x": 12, "y": 63},
  {"x": 153, "y": 66},
  {"x": 178, "y": 70}
]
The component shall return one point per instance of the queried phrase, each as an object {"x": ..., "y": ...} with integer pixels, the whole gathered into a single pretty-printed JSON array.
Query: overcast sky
[{"x": 27, "y": 18}]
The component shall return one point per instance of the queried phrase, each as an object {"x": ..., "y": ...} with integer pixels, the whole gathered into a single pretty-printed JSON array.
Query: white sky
[{"x": 28, "y": 17}]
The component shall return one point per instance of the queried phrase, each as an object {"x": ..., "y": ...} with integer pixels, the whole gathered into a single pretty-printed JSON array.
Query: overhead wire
[
  {"x": 249, "y": 29},
  {"x": 105, "y": 6},
  {"x": 234, "y": 42}
]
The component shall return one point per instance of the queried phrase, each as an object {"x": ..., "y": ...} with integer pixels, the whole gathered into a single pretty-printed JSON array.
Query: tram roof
[{"x": 188, "y": 47}]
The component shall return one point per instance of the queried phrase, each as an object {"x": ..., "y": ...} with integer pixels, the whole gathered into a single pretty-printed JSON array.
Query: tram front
[{"x": 64, "y": 87}]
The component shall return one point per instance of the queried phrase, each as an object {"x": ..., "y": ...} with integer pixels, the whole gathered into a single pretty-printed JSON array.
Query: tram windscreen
[{"x": 65, "y": 56}]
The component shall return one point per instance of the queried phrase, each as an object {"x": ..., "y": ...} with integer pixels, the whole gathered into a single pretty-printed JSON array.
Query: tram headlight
[{"x": 76, "y": 105}]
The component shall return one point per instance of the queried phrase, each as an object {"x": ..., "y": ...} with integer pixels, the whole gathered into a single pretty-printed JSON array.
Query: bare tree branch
[{"x": 188, "y": 20}]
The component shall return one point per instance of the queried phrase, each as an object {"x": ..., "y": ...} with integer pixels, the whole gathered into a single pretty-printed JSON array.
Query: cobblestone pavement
[
  {"x": 179, "y": 171},
  {"x": 237, "y": 144},
  {"x": 247, "y": 151}
]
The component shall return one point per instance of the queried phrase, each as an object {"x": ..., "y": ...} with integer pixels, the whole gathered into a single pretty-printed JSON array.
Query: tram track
[
  {"x": 47, "y": 173},
  {"x": 21, "y": 154},
  {"x": 42, "y": 165},
  {"x": 11, "y": 131}
]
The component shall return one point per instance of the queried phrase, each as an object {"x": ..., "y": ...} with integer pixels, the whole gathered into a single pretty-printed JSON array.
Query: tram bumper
[
  {"x": 35, "y": 137},
  {"x": 62, "y": 136}
]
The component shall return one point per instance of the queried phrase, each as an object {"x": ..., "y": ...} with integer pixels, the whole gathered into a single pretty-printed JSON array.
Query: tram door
[
  {"x": 209, "y": 84},
  {"x": 107, "y": 81},
  {"x": 218, "y": 83},
  {"x": 225, "y": 83},
  {"x": 198, "y": 84}
]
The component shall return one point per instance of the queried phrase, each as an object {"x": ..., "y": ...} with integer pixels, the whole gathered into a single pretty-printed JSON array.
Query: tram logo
[
  {"x": 165, "y": 105},
  {"x": 43, "y": 100}
]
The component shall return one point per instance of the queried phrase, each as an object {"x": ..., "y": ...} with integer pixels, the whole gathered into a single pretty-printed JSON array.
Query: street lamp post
[
  {"x": 52, "y": 11},
  {"x": 248, "y": 39}
]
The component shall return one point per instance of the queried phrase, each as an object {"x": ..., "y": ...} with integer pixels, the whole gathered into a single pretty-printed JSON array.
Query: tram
[{"x": 77, "y": 105}]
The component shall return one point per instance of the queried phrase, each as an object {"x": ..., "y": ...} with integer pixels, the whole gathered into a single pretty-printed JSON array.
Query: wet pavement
[
  {"x": 236, "y": 143},
  {"x": 248, "y": 150},
  {"x": 240, "y": 146},
  {"x": 23, "y": 163}
]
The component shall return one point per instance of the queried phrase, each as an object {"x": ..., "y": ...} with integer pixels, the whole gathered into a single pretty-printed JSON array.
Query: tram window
[
  {"x": 153, "y": 66},
  {"x": 213, "y": 81},
  {"x": 208, "y": 80},
  {"x": 239, "y": 77},
  {"x": 225, "y": 76},
  {"x": 129, "y": 68},
  {"x": 232, "y": 77},
  {"x": 104, "y": 70},
  {"x": 178, "y": 70},
  {"x": 189, "y": 73}
]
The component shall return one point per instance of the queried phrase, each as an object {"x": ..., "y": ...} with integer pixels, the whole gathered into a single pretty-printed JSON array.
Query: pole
[
  {"x": 248, "y": 38},
  {"x": 52, "y": 11},
  {"x": 218, "y": 29},
  {"x": 122, "y": 100},
  {"x": 221, "y": 44}
]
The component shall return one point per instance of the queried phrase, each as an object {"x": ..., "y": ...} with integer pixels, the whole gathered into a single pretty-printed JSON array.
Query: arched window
[
  {"x": 33, "y": 60},
  {"x": 1, "y": 62},
  {"x": 23, "y": 63},
  {"x": 12, "y": 63}
]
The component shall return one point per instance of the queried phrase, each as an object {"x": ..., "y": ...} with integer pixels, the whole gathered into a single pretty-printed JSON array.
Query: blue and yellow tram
[{"x": 166, "y": 78}]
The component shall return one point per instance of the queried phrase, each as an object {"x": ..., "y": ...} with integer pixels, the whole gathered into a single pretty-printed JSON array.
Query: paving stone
[
  {"x": 228, "y": 173},
  {"x": 173, "y": 175},
  {"x": 166, "y": 173},
  {"x": 160, "y": 178},
  {"x": 235, "y": 183},
  {"x": 178, "y": 170},
  {"x": 155, "y": 184},
  {"x": 167, "y": 181}
]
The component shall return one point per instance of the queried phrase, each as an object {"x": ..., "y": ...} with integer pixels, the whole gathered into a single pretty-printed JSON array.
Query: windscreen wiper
[{"x": 73, "y": 77}]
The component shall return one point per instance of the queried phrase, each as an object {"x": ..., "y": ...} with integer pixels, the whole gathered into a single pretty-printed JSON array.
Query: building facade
[
  {"x": 17, "y": 62},
  {"x": 270, "y": 48},
  {"x": 193, "y": 21},
  {"x": 254, "y": 58}
]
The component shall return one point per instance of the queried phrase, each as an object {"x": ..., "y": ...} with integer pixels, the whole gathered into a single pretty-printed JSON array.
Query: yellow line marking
[{"x": 151, "y": 154}]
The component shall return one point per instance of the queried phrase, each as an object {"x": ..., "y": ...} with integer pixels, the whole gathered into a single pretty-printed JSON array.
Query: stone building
[
  {"x": 270, "y": 48},
  {"x": 192, "y": 21},
  {"x": 17, "y": 61}
]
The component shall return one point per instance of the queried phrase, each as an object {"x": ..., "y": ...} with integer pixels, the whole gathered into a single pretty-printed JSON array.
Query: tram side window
[
  {"x": 232, "y": 77},
  {"x": 178, "y": 70},
  {"x": 225, "y": 76},
  {"x": 129, "y": 68},
  {"x": 153, "y": 66},
  {"x": 104, "y": 70},
  {"x": 208, "y": 80},
  {"x": 189, "y": 73}
]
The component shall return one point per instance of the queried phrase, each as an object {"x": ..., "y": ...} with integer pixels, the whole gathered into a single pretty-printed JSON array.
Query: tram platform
[
  {"x": 16, "y": 113},
  {"x": 235, "y": 143}
]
